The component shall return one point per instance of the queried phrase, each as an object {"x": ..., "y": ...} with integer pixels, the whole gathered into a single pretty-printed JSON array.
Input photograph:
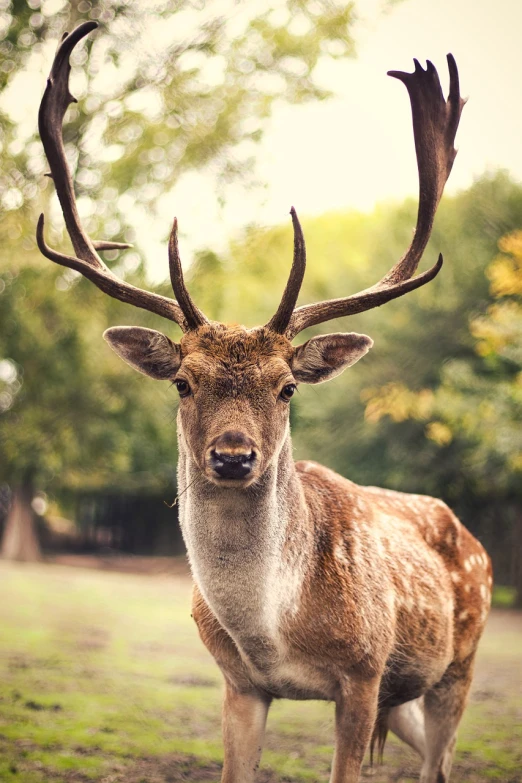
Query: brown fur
[
  {"x": 395, "y": 588},
  {"x": 324, "y": 589},
  {"x": 358, "y": 629}
]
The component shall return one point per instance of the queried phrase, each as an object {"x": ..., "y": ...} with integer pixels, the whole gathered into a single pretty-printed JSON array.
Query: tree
[
  {"x": 471, "y": 415},
  {"x": 167, "y": 88},
  {"x": 383, "y": 422}
]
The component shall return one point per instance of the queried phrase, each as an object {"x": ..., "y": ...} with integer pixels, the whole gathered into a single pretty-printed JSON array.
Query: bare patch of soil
[{"x": 167, "y": 769}]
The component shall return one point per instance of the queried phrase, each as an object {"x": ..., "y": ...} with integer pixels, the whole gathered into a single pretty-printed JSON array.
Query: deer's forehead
[
  {"x": 250, "y": 356},
  {"x": 222, "y": 340},
  {"x": 263, "y": 370},
  {"x": 235, "y": 346}
]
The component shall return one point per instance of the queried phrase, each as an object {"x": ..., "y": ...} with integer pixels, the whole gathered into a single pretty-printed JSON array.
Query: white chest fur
[
  {"x": 235, "y": 549},
  {"x": 252, "y": 601},
  {"x": 236, "y": 546}
]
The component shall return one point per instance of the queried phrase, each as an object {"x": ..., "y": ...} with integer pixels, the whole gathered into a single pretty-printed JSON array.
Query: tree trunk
[
  {"x": 20, "y": 541},
  {"x": 517, "y": 557}
]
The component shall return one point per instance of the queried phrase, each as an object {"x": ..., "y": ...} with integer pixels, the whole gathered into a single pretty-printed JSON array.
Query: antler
[
  {"x": 55, "y": 101},
  {"x": 435, "y": 123},
  {"x": 282, "y": 318}
]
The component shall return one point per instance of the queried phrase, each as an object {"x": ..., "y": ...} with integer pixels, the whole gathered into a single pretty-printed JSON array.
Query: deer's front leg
[
  {"x": 244, "y": 719},
  {"x": 355, "y": 713}
]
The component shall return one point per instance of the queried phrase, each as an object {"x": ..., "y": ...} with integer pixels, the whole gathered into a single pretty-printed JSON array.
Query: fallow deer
[{"x": 307, "y": 586}]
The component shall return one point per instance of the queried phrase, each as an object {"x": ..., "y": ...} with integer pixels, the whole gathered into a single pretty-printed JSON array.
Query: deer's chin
[{"x": 229, "y": 483}]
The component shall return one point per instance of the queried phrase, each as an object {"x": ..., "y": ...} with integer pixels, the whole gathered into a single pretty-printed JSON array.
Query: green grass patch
[
  {"x": 503, "y": 597},
  {"x": 103, "y": 678}
]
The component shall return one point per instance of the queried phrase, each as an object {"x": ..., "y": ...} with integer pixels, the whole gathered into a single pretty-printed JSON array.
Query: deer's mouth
[
  {"x": 232, "y": 483},
  {"x": 232, "y": 470},
  {"x": 235, "y": 467}
]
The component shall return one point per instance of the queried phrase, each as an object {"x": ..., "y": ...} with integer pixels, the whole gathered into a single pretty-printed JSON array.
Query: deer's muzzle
[{"x": 232, "y": 456}]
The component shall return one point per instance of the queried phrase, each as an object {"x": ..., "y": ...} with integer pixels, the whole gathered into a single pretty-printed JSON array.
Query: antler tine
[
  {"x": 281, "y": 319},
  {"x": 55, "y": 101},
  {"x": 112, "y": 285},
  {"x": 102, "y": 244},
  {"x": 193, "y": 315},
  {"x": 318, "y": 313},
  {"x": 435, "y": 123}
]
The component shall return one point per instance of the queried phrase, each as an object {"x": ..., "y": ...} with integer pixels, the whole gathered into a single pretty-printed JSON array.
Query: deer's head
[
  {"x": 235, "y": 386},
  {"x": 235, "y": 383}
]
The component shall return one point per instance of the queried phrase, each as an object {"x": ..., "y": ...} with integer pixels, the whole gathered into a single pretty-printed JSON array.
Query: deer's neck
[{"x": 247, "y": 547}]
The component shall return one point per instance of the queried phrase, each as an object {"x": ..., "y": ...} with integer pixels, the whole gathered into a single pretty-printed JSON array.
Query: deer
[{"x": 306, "y": 585}]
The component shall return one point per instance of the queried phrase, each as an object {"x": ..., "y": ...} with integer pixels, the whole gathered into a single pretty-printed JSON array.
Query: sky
[{"x": 357, "y": 149}]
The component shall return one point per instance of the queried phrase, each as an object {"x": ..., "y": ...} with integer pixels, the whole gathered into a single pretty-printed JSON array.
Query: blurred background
[{"x": 226, "y": 113}]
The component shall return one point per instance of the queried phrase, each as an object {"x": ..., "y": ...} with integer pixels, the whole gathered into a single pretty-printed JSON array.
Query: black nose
[{"x": 233, "y": 455}]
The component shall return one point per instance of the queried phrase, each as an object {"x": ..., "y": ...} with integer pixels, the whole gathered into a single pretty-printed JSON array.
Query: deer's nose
[{"x": 232, "y": 455}]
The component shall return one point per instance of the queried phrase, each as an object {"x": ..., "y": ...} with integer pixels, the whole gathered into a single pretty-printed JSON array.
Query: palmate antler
[
  {"x": 54, "y": 104},
  {"x": 435, "y": 123}
]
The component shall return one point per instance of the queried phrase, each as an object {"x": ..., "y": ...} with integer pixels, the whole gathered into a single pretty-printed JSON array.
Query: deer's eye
[
  {"x": 288, "y": 391},
  {"x": 183, "y": 388}
]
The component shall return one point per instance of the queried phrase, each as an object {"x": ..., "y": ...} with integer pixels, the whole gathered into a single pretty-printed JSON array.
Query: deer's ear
[
  {"x": 146, "y": 350},
  {"x": 326, "y": 356}
]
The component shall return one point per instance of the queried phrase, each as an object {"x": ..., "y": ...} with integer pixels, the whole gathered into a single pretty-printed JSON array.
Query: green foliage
[
  {"x": 166, "y": 88},
  {"x": 68, "y": 412},
  {"x": 470, "y": 411},
  {"x": 384, "y": 402},
  {"x": 434, "y": 406},
  {"x": 503, "y": 597}
]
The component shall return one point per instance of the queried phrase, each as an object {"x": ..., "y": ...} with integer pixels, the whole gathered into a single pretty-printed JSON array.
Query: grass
[
  {"x": 103, "y": 678},
  {"x": 504, "y": 597}
]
